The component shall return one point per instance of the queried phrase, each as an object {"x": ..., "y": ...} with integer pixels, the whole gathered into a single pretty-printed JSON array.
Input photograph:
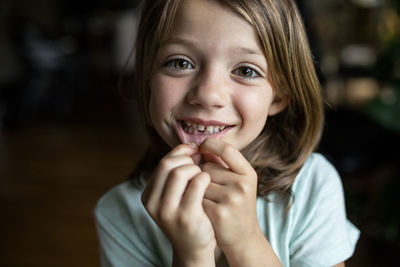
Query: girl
[{"x": 233, "y": 108}]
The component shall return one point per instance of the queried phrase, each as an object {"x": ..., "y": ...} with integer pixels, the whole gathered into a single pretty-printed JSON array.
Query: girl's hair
[{"x": 289, "y": 137}]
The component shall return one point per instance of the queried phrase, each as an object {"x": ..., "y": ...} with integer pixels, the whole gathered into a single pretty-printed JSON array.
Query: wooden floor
[{"x": 52, "y": 174}]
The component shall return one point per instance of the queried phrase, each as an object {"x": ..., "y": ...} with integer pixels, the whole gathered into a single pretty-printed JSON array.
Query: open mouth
[
  {"x": 192, "y": 132},
  {"x": 193, "y": 128}
]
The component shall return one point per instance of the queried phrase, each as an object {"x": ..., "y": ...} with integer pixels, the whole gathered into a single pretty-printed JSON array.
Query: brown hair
[{"x": 289, "y": 137}]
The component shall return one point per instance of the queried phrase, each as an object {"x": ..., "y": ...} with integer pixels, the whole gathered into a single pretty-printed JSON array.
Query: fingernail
[{"x": 192, "y": 145}]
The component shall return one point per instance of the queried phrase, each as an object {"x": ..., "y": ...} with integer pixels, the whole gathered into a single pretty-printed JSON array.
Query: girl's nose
[{"x": 210, "y": 91}]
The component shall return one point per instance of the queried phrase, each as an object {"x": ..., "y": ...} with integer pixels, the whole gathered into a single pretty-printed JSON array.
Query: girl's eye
[
  {"x": 246, "y": 72},
  {"x": 179, "y": 64}
]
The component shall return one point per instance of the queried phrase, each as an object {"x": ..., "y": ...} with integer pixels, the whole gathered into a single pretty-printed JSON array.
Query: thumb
[{"x": 215, "y": 159}]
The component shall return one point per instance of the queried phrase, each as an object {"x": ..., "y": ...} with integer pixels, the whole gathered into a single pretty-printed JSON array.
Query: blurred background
[{"x": 67, "y": 134}]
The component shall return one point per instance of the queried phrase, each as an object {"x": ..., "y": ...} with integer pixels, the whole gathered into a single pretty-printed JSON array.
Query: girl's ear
[{"x": 279, "y": 104}]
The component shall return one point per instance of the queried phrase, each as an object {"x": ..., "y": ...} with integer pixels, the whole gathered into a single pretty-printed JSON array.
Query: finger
[
  {"x": 215, "y": 192},
  {"x": 180, "y": 155},
  {"x": 209, "y": 207},
  {"x": 155, "y": 187},
  {"x": 183, "y": 149},
  {"x": 217, "y": 173},
  {"x": 194, "y": 194},
  {"x": 177, "y": 181},
  {"x": 228, "y": 153},
  {"x": 225, "y": 184},
  {"x": 215, "y": 159}
]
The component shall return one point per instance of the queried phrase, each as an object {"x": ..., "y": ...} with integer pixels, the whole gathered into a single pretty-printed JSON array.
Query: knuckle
[
  {"x": 242, "y": 187},
  {"x": 184, "y": 220},
  {"x": 200, "y": 181},
  {"x": 232, "y": 199},
  {"x": 175, "y": 173},
  {"x": 164, "y": 163},
  {"x": 221, "y": 215},
  {"x": 181, "y": 149},
  {"x": 183, "y": 170}
]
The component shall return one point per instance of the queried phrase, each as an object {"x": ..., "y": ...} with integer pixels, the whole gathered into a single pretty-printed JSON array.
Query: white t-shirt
[{"x": 314, "y": 232}]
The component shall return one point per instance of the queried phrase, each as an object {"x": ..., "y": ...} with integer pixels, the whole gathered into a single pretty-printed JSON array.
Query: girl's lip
[{"x": 199, "y": 138}]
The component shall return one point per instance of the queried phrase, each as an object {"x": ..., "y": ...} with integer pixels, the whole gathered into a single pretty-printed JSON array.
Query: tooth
[
  {"x": 190, "y": 130},
  {"x": 196, "y": 131},
  {"x": 201, "y": 127},
  {"x": 216, "y": 129},
  {"x": 194, "y": 125},
  {"x": 210, "y": 129},
  {"x": 221, "y": 128},
  {"x": 188, "y": 123}
]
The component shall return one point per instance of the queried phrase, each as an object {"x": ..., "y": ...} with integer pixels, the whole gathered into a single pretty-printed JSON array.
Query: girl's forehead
[
  {"x": 212, "y": 23},
  {"x": 205, "y": 11}
]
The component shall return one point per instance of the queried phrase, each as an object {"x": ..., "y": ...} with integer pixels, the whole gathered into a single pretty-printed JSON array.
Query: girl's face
[{"x": 211, "y": 79}]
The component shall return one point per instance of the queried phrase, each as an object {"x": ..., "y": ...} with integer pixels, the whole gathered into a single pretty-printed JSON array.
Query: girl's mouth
[{"x": 196, "y": 131}]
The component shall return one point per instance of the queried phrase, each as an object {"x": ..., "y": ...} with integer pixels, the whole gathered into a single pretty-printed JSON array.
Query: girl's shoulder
[
  {"x": 318, "y": 215},
  {"x": 318, "y": 189},
  {"x": 317, "y": 173},
  {"x": 317, "y": 180}
]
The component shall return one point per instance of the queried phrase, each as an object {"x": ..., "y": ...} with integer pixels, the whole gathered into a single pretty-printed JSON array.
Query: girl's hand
[
  {"x": 230, "y": 199},
  {"x": 173, "y": 198}
]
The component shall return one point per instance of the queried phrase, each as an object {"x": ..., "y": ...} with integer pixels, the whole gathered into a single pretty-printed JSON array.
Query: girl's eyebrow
[
  {"x": 246, "y": 51},
  {"x": 180, "y": 41},
  {"x": 233, "y": 50}
]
